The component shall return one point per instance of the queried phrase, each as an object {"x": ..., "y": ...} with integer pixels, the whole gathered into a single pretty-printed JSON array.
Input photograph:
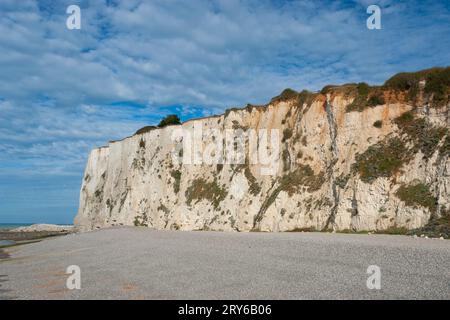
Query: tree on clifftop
[{"x": 169, "y": 120}]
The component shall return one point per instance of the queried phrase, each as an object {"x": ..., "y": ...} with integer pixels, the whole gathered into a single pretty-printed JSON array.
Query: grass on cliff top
[
  {"x": 435, "y": 78},
  {"x": 145, "y": 129},
  {"x": 300, "y": 98},
  {"x": 437, "y": 84},
  {"x": 437, "y": 88},
  {"x": 171, "y": 119},
  {"x": 249, "y": 108},
  {"x": 287, "y": 94},
  {"x": 366, "y": 96}
]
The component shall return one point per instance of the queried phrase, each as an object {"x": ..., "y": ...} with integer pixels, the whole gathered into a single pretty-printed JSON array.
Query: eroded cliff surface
[{"x": 351, "y": 157}]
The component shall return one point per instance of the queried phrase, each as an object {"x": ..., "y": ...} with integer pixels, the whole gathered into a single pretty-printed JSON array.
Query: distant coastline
[
  {"x": 7, "y": 226},
  {"x": 21, "y": 233}
]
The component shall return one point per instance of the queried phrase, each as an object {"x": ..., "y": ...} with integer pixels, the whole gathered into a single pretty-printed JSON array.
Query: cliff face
[{"x": 350, "y": 157}]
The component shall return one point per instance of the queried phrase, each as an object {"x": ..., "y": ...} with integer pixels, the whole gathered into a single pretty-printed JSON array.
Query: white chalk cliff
[{"x": 351, "y": 157}]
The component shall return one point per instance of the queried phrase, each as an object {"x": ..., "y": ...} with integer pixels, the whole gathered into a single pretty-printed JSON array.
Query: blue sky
[{"x": 64, "y": 92}]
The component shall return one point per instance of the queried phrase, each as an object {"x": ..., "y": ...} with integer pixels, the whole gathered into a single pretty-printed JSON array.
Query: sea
[{"x": 7, "y": 226}]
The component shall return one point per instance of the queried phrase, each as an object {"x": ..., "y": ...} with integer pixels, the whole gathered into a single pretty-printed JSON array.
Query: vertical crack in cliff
[
  {"x": 442, "y": 166},
  {"x": 266, "y": 204},
  {"x": 330, "y": 166},
  {"x": 354, "y": 204}
]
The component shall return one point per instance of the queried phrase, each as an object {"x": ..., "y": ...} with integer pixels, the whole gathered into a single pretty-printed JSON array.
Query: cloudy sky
[{"x": 64, "y": 92}]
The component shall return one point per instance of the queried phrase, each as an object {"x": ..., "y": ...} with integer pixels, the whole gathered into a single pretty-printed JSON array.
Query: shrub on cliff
[
  {"x": 201, "y": 189},
  {"x": 176, "y": 175},
  {"x": 171, "y": 119},
  {"x": 145, "y": 129},
  {"x": 437, "y": 83},
  {"x": 381, "y": 160},
  {"x": 376, "y": 100},
  {"x": 305, "y": 97},
  {"x": 287, "y": 134},
  {"x": 423, "y": 135},
  {"x": 437, "y": 226},
  {"x": 360, "y": 102},
  {"x": 417, "y": 194},
  {"x": 287, "y": 94},
  {"x": 378, "y": 124}
]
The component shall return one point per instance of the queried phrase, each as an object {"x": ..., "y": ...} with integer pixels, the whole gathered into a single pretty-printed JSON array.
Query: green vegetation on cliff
[
  {"x": 437, "y": 226},
  {"x": 417, "y": 194},
  {"x": 422, "y": 134},
  {"x": 201, "y": 189},
  {"x": 437, "y": 84},
  {"x": 291, "y": 183},
  {"x": 381, "y": 160},
  {"x": 176, "y": 175},
  {"x": 366, "y": 96},
  {"x": 386, "y": 158},
  {"x": 171, "y": 119}
]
